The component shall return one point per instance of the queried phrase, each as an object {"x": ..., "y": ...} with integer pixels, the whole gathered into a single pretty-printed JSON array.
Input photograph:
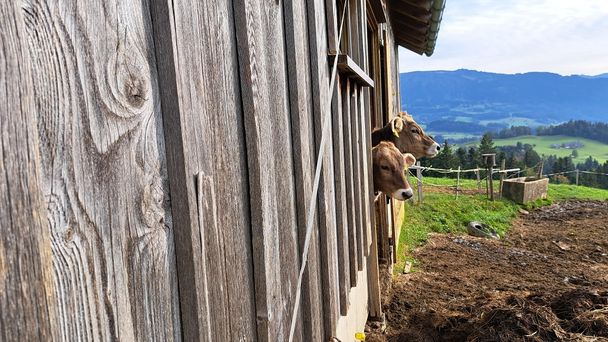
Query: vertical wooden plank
[
  {"x": 104, "y": 172},
  {"x": 298, "y": 68},
  {"x": 382, "y": 231},
  {"x": 366, "y": 162},
  {"x": 373, "y": 272},
  {"x": 357, "y": 174},
  {"x": 340, "y": 186},
  {"x": 27, "y": 303},
  {"x": 326, "y": 211},
  {"x": 333, "y": 26},
  {"x": 363, "y": 23},
  {"x": 260, "y": 41},
  {"x": 395, "y": 210},
  {"x": 354, "y": 33},
  {"x": 199, "y": 88},
  {"x": 350, "y": 182},
  {"x": 394, "y": 63}
]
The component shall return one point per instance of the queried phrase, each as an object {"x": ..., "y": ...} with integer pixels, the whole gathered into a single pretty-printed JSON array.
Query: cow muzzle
[
  {"x": 433, "y": 150},
  {"x": 403, "y": 194}
]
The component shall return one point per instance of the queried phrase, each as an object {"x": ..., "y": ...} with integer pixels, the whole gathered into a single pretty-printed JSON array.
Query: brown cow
[
  {"x": 389, "y": 171},
  {"x": 407, "y": 136}
]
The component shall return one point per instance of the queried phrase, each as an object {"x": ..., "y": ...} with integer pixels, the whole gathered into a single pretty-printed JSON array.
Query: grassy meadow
[
  {"x": 441, "y": 213},
  {"x": 543, "y": 144}
]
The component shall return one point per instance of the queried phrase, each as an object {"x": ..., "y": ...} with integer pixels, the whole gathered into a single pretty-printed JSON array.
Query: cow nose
[
  {"x": 407, "y": 194},
  {"x": 438, "y": 148}
]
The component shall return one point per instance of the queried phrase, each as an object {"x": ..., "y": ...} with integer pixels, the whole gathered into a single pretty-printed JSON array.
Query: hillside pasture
[{"x": 542, "y": 145}]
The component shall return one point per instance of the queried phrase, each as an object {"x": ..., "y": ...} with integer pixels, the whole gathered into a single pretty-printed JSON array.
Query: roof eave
[
  {"x": 416, "y": 24},
  {"x": 438, "y": 7}
]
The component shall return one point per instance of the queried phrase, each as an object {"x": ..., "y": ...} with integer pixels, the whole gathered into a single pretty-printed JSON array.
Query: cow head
[
  {"x": 389, "y": 170},
  {"x": 407, "y": 136}
]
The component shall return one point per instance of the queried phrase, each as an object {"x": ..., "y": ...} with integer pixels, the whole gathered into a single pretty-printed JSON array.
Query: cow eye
[
  {"x": 384, "y": 167},
  {"x": 415, "y": 131}
]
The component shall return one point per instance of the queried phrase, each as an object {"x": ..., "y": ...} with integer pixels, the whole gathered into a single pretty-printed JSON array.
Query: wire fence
[{"x": 416, "y": 172}]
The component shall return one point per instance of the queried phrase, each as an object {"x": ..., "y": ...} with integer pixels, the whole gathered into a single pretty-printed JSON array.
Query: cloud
[{"x": 510, "y": 36}]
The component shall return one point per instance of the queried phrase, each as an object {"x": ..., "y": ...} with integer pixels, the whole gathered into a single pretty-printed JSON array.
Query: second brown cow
[{"x": 389, "y": 167}]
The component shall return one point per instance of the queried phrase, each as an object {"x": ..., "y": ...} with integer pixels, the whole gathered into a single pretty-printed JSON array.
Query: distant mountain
[
  {"x": 466, "y": 101},
  {"x": 600, "y": 76}
]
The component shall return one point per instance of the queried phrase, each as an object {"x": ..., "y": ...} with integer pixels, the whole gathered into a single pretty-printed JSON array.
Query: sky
[{"x": 513, "y": 36}]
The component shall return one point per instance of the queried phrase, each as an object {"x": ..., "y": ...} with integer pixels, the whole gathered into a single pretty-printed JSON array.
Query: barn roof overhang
[{"x": 416, "y": 23}]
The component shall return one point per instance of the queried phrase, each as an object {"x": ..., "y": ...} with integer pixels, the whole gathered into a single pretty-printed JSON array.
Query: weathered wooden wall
[
  {"x": 157, "y": 165},
  {"x": 202, "y": 109},
  {"x": 27, "y": 305},
  {"x": 103, "y": 169}
]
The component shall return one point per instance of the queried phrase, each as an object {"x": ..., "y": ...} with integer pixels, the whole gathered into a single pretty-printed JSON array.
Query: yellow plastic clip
[{"x": 360, "y": 336}]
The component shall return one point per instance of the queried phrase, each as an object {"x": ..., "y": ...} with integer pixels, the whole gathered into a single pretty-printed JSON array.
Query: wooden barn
[{"x": 158, "y": 161}]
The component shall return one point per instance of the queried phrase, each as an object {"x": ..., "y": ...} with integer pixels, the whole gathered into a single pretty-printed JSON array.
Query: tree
[
  {"x": 486, "y": 145},
  {"x": 473, "y": 157},
  {"x": 461, "y": 154},
  {"x": 574, "y": 154},
  {"x": 446, "y": 158},
  {"x": 531, "y": 157}
]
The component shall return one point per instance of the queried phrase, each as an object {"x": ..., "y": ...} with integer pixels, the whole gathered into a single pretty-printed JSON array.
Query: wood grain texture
[
  {"x": 260, "y": 40},
  {"x": 368, "y": 181},
  {"x": 382, "y": 231},
  {"x": 373, "y": 273},
  {"x": 341, "y": 202},
  {"x": 104, "y": 172},
  {"x": 358, "y": 179},
  {"x": 354, "y": 31},
  {"x": 302, "y": 128},
  {"x": 27, "y": 303},
  {"x": 203, "y": 118},
  {"x": 350, "y": 181},
  {"x": 333, "y": 26},
  {"x": 326, "y": 209}
]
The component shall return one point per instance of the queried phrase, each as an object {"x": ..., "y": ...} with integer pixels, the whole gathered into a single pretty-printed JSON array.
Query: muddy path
[{"x": 547, "y": 280}]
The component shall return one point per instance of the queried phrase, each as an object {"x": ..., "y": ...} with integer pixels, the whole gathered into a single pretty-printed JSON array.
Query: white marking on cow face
[
  {"x": 433, "y": 150},
  {"x": 402, "y": 194}
]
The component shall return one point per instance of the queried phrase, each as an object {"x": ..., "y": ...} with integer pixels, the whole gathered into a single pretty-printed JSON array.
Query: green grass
[
  {"x": 543, "y": 144},
  {"x": 559, "y": 192},
  {"x": 466, "y": 184},
  {"x": 442, "y": 213}
]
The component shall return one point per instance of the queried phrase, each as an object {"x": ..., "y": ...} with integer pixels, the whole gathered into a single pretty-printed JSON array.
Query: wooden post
[
  {"x": 502, "y": 176},
  {"x": 478, "y": 180},
  {"x": 577, "y": 174},
  {"x": 540, "y": 169},
  {"x": 457, "y": 181},
  {"x": 419, "y": 178},
  {"x": 490, "y": 161},
  {"x": 491, "y": 182}
]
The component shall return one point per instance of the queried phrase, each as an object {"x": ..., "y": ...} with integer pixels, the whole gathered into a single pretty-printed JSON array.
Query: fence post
[
  {"x": 577, "y": 173},
  {"x": 491, "y": 179},
  {"x": 478, "y": 180},
  {"x": 457, "y": 181},
  {"x": 419, "y": 177},
  {"x": 540, "y": 169},
  {"x": 502, "y": 176}
]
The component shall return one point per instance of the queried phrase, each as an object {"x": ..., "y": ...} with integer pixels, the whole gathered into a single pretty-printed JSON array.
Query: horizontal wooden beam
[
  {"x": 424, "y": 4},
  {"x": 417, "y": 49},
  {"x": 348, "y": 67}
]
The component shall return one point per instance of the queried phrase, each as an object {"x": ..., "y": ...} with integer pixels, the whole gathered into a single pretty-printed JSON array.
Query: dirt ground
[{"x": 547, "y": 280}]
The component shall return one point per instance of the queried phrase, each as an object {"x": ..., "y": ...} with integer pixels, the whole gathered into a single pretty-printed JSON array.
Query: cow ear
[
  {"x": 409, "y": 159},
  {"x": 397, "y": 126}
]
